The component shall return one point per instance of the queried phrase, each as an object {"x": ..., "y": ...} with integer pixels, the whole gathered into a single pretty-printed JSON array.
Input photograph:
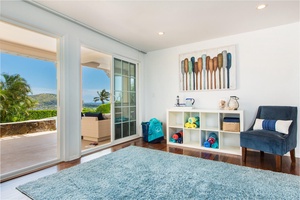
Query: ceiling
[{"x": 137, "y": 23}]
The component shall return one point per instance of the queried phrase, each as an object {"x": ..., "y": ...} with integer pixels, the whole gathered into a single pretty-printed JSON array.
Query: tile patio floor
[{"x": 26, "y": 150}]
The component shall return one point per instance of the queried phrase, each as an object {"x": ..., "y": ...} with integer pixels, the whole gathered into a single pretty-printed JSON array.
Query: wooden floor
[{"x": 267, "y": 162}]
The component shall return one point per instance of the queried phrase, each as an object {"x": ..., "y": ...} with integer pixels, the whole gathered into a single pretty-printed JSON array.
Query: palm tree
[
  {"x": 102, "y": 96},
  {"x": 14, "y": 98}
]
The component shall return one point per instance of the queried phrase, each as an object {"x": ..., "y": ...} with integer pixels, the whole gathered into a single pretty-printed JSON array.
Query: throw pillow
[{"x": 281, "y": 126}]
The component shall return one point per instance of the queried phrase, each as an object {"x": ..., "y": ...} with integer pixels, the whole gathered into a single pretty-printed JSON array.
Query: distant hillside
[
  {"x": 45, "y": 101},
  {"x": 49, "y": 102}
]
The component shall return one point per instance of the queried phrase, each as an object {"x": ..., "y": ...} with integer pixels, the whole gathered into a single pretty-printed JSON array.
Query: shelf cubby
[
  {"x": 191, "y": 137},
  {"x": 210, "y": 121},
  {"x": 176, "y": 119}
]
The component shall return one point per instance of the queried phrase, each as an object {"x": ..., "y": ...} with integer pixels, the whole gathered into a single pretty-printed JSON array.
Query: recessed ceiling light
[
  {"x": 261, "y": 6},
  {"x": 161, "y": 33}
]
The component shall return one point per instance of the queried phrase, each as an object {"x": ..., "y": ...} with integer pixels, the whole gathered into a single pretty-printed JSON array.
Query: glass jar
[{"x": 233, "y": 104}]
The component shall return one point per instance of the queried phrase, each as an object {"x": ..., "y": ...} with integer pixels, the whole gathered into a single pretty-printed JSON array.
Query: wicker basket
[{"x": 231, "y": 126}]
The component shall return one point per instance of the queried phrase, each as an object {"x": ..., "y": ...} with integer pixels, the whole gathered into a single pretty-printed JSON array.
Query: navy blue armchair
[{"x": 269, "y": 140}]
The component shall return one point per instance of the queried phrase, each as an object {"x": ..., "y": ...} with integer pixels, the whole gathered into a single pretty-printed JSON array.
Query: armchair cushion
[
  {"x": 90, "y": 114},
  {"x": 265, "y": 140},
  {"x": 273, "y": 125}
]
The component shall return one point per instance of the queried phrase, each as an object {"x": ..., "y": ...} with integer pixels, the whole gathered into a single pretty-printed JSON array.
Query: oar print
[
  {"x": 204, "y": 68},
  {"x": 211, "y": 69},
  {"x": 207, "y": 70},
  {"x": 220, "y": 65},
  {"x": 215, "y": 60},
  {"x": 196, "y": 73},
  {"x": 200, "y": 66},
  {"x": 190, "y": 73},
  {"x": 182, "y": 72},
  {"x": 193, "y": 71},
  {"x": 228, "y": 67},
  {"x": 224, "y": 65},
  {"x": 186, "y": 70}
]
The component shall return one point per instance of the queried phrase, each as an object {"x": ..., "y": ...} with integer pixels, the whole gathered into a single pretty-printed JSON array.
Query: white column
[{"x": 70, "y": 98}]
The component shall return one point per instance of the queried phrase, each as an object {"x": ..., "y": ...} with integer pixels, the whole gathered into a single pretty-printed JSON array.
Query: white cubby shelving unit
[{"x": 210, "y": 121}]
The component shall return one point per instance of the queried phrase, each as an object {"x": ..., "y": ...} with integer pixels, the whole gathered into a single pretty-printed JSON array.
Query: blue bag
[{"x": 152, "y": 131}]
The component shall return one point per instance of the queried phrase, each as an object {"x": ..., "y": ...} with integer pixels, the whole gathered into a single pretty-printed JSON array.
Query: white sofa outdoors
[{"x": 93, "y": 129}]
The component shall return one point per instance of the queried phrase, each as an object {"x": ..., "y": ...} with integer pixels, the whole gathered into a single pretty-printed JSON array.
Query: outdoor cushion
[{"x": 90, "y": 114}]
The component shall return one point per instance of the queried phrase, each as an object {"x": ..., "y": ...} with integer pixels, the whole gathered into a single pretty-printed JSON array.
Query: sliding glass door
[
  {"x": 29, "y": 106},
  {"x": 96, "y": 106},
  {"x": 124, "y": 98}
]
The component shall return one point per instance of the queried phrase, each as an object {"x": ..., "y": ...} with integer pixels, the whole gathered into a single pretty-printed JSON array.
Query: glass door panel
[
  {"x": 132, "y": 98},
  {"x": 125, "y": 98},
  {"x": 118, "y": 67},
  {"x": 132, "y": 128},
  {"x": 125, "y": 68},
  {"x": 132, "y": 84},
  {"x": 96, "y": 89}
]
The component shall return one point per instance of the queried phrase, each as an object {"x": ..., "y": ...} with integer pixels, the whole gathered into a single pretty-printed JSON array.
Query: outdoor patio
[{"x": 22, "y": 151}]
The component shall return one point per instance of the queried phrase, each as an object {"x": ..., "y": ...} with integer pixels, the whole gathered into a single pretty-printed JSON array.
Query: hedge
[
  {"x": 41, "y": 114},
  {"x": 104, "y": 108}
]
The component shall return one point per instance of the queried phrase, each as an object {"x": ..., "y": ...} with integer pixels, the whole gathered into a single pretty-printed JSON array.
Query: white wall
[
  {"x": 72, "y": 36},
  {"x": 267, "y": 73}
]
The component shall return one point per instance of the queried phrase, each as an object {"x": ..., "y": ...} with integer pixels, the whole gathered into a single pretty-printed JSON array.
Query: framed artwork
[{"x": 208, "y": 70}]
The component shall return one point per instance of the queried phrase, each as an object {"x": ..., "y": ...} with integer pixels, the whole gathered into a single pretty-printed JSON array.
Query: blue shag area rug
[{"x": 140, "y": 173}]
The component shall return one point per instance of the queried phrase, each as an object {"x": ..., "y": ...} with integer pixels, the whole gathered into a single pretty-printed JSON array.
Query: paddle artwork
[
  {"x": 224, "y": 65},
  {"x": 182, "y": 72},
  {"x": 228, "y": 66},
  {"x": 190, "y": 73},
  {"x": 196, "y": 73},
  {"x": 193, "y": 71},
  {"x": 215, "y": 59},
  {"x": 204, "y": 69},
  {"x": 186, "y": 70},
  {"x": 208, "y": 70},
  {"x": 200, "y": 71},
  {"x": 220, "y": 65}
]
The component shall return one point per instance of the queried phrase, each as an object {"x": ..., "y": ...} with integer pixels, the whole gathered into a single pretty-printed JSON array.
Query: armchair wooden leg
[
  {"x": 244, "y": 154},
  {"x": 292, "y": 154},
  {"x": 278, "y": 163},
  {"x": 262, "y": 153}
]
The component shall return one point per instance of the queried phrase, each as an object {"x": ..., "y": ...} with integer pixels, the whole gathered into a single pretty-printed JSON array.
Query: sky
[{"x": 41, "y": 75}]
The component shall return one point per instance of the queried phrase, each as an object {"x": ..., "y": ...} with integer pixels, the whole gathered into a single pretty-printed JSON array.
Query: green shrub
[
  {"x": 85, "y": 110},
  {"x": 14, "y": 99},
  {"x": 104, "y": 108},
  {"x": 41, "y": 114}
]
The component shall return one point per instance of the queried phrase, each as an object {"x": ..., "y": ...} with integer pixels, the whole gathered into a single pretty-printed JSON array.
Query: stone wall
[{"x": 33, "y": 126}]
